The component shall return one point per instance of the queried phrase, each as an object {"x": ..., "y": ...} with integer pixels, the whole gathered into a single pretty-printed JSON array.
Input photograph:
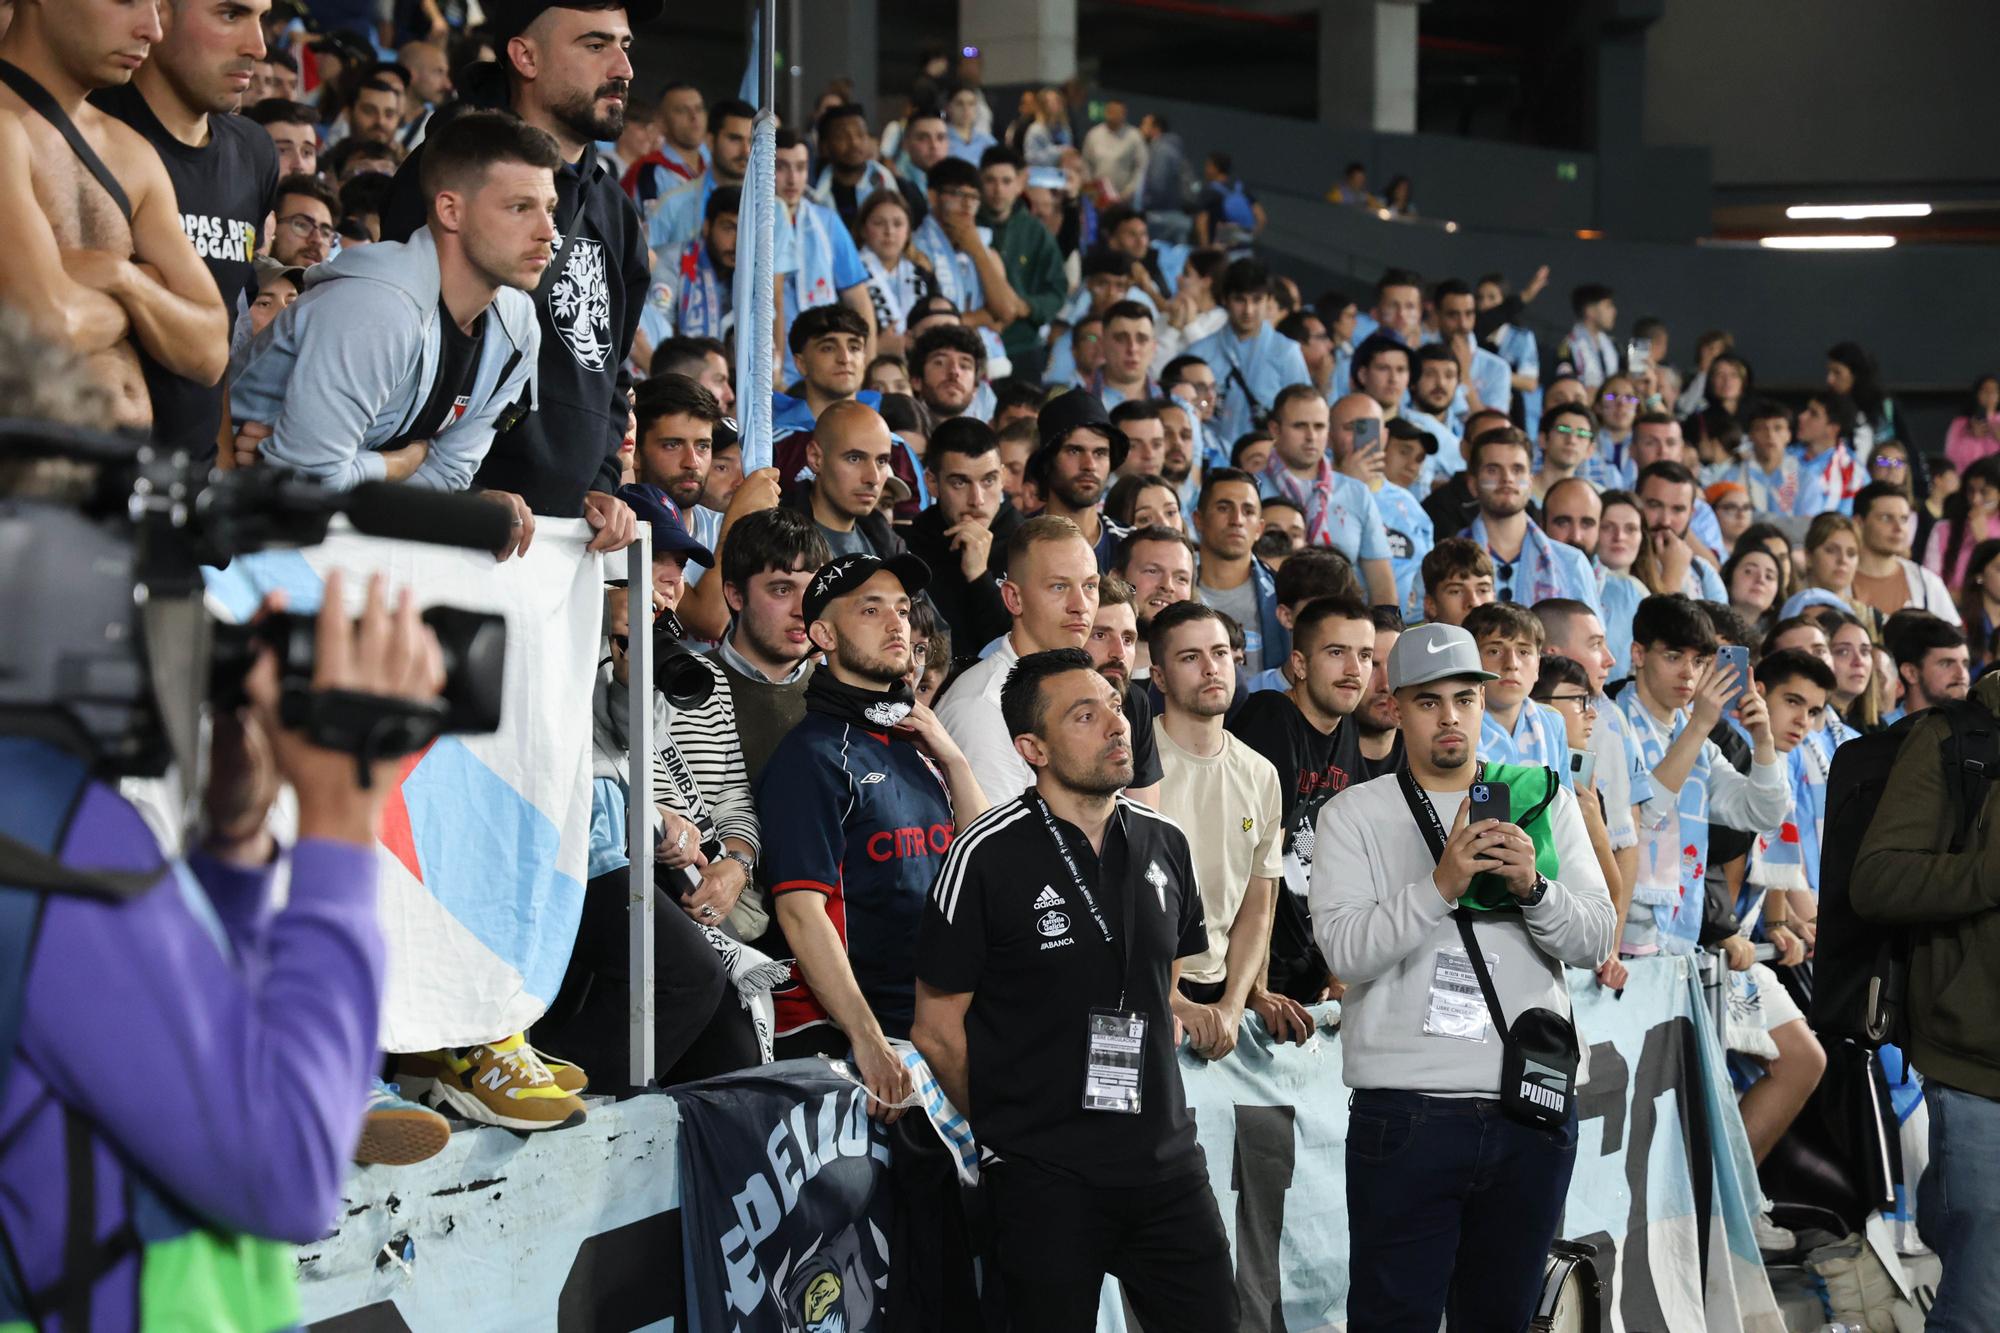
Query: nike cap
[{"x": 1435, "y": 652}]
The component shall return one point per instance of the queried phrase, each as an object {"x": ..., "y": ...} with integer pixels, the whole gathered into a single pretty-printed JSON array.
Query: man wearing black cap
[
  {"x": 1079, "y": 451},
  {"x": 564, "y": 69},
  {"x": 869, "y": 790}
]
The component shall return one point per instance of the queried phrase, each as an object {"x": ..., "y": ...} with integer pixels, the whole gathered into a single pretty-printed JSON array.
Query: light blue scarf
[
  {"x": 698, "y": 305},
  {"x": 874, "y": 176},
  {"x": 805, "y": 255}
]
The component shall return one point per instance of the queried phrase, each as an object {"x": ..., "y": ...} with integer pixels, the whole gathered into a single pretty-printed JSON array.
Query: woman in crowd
[
  {"x": 1621, "y": 537},
  {"x": 1757, "y": 585},
  {"x": 887, "y": 373},
  {"x": 1833, "y": 554},
  {"x": 1397, "y": 198},
  {"x": 1694, "y": 395},
  {"x": 1894, "y": 464},
  {"x": 1731, "y": 503},
  {"x": 1729, "y": 386},
  {"x": 1975, "y": 432},
  {"x": 1042, "y": 143},
  {"x": 1979, "y": 601},
  {"x": 1617, "y": 405},
  {"x": 899, "y": 276},
  {"x": 1144, "y": 502},
  {"x": 1717, "y": 441},
  {"x": 1854, "y": 668},
  {"x": 1971, "y": 516},
  {"x": 1193, "y": 313},
  {"x": 963, "y": 137},
  {"x": 1852, "y": 371}
]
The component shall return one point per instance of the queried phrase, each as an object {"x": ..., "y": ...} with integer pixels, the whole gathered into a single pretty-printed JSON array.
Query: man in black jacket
[
  {"x": 564, "y": 69},
  {"x": 963, "y": 535}
]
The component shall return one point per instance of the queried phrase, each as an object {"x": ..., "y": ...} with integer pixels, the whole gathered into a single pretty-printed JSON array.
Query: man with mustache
[
  {"x": 1055, "y": 1034},
  {"x": 963, "y": 535},
  {"x": 1308, "y": 734},
  {"x": 1157, "y": 563},
  {"x": 1452, "y": 1204},
  {"x": 224, "y": 169},
  {"x": 564, "y": 70},
  {"x": 849, "y": 458},
  {"x": 95, "y": 255},
  {"x": 1528, "y": 565},
  {"x": 1080, "y": 449}
]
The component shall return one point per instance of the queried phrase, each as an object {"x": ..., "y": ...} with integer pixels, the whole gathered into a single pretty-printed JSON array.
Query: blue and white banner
[{"x": 485, "y": 840}]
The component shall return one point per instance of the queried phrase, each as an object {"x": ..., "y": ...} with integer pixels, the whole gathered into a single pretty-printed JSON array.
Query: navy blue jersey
[{"x": 864, "y": 819}]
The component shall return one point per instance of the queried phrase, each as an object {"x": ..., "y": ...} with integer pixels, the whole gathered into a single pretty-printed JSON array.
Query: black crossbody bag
[{"x": 1539, "y": 1051}]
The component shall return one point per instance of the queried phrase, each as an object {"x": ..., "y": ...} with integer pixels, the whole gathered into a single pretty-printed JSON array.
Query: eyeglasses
[
  {"x": 1630, "y": 400},
  {"x": 1888, "y": 464},
  {"x": 1201, "y": 393},
  {"x": 1584, "y": 704},
  {"x": 1583, "y": 433},
  {"x": 1089, "y": 337},
  {"x": 1732, "y": 507},
  {"x": 304, "y": 225}
]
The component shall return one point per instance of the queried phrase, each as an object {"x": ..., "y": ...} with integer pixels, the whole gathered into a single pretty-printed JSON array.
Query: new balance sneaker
[
  {"x": 504, "y": 1083},
  {"x": 570, "y": 1078},
  {"x": 396, "y": 1131}
]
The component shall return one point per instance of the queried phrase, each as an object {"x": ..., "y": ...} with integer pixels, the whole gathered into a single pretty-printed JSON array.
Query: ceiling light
[
  {"x": 1827, "y": 242},
  {"x": 1856, "y": 212}
]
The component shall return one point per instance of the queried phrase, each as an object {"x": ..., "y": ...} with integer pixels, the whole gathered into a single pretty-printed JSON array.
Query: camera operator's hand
[
  {"x": 242, "y": 783},
  {"x": 680, "y": 842},
  {"x": 613, "y": 519},
  {"x": 389, "y": 653},
  {"x": 524, "y": 522},
  {"x": 246, "y": 447},
  {"x": 1464, "y": 855}
]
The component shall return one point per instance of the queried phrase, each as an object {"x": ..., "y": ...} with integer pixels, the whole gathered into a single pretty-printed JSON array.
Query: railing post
[{"x": 639, "y": 802}]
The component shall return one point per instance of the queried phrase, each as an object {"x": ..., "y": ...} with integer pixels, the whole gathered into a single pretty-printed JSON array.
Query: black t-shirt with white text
[
  {"x": 223, "y": 191},
  {"x": 1006, "y": 923}
]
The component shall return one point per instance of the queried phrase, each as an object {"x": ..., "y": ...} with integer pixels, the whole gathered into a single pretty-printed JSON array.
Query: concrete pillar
[
  {"x": 826, "y": 40},
  {"x": 1023, "y": 41},
  {"x": 1368, "y": 64}
]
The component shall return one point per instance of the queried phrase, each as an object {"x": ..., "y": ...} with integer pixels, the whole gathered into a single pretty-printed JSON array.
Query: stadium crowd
[{"x": 1083, "y": 528}]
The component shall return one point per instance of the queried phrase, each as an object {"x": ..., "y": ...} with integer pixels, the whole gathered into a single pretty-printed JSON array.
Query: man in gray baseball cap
[{"x": 1452, "y": 1200}]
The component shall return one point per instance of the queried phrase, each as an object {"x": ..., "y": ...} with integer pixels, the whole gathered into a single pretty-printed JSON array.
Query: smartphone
[
  {"x": 1582, "y": 769},
  {"x": 1735, "y": 656},
  {"x": 1368, "y": 433},
  {"x": 1639, "y": 355},
  {"x": 1490, "y": 800}
]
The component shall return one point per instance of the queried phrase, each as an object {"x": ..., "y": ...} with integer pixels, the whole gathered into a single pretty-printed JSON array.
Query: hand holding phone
[
  {"x": 1735, "y": 657},
  {"x": 1490, "y": 800},
  {"x": 1367, "y": 434},
  {"x": 1639, "y": 355}
]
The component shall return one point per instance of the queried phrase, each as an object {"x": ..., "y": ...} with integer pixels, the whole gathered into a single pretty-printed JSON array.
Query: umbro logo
[
  {"x": 1050, "y": 898},
  {"x": 874, "y": 777}
]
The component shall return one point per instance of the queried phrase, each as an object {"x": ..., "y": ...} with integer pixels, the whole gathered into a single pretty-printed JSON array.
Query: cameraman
[{"x": 190, "y": 1066}]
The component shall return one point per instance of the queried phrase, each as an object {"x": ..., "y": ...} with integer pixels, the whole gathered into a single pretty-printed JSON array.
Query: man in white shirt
[
  {"x": 1451, "y": 1203},
  {"x": 1115, "y": 153}
]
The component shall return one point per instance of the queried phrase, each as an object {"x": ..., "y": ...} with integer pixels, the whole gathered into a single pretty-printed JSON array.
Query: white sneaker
[{"x": 1772, "y": 1238}]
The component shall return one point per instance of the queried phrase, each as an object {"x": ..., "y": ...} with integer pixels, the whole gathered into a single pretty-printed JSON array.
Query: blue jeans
[
  {"x": 1451, "y": 1208},
  {"x": 1958, "y": 1207}
]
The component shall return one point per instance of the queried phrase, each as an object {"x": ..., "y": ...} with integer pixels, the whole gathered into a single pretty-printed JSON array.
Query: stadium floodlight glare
[
  {"x": 1855, "y": 212},
  {"x": 1827, "y": 242}
]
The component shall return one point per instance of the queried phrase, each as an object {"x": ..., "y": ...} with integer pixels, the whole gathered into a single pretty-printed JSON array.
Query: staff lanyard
[{"x": 1090, "y": 899}]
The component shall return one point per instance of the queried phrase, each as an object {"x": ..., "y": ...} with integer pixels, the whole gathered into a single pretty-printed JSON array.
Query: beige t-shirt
[{"x": 1229, "y": 806}]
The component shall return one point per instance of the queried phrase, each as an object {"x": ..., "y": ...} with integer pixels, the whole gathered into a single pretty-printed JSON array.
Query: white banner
[{"x": 484, "y": 843}]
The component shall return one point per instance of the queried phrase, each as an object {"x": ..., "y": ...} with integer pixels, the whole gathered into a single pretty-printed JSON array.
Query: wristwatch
[
  {"x": 1539, "y": 892},
  {"x": 742, "y": 859}
]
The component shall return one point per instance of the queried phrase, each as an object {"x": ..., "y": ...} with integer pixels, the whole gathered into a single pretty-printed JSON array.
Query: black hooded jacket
[
  {"x": 589, "y": 306},
  {"x": 972, "y": 607}
]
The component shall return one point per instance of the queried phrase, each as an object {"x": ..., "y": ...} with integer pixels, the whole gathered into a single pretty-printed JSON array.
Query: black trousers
[
  {"x": 699, "y": 1028},
  {"x": 1055, "y": 1239}
]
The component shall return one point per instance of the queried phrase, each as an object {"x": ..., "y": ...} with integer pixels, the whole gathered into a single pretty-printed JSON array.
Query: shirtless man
[{"x": 72, "y": 262}]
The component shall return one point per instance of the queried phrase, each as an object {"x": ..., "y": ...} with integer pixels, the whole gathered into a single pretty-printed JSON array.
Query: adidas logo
[{"x": 1050, "y": 898}]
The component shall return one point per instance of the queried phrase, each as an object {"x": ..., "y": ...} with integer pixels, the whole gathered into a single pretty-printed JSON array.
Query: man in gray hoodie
[{"x": 400, "y": 359}]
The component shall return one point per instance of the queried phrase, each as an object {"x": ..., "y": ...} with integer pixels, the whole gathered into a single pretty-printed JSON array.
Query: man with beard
[
  {"x": 1528, "y": 567},
  {"x": 1013, "y": 1021},
  {"x": 1307, "y": 734},
  {"x": 1380, "y": 730},
  {"x": 765, "y": 656},
  {"x": 1183, "y": 445},
  {"x": 963, "y": 535},
  {"x": 949, "y": 362},
  {"x": 95, "y": 257},
  {"x": 1114, "y": 633},
  {"x": 1668, "y": 494},
  {"x": 1157, "y": 563},
  {"x": 868, "y": 788},
  {"x": 682, "y": 122},
  {"x": 1230, "y": 519},
  {"x": 224, "y": 171},
  {"x": 1340, "y": 511},
  {"x": 327, "y": 389},
  {"x": 1225, "y": 797},
  {"x": 564, "y": 70},
  {"x": 1462, "y": 1214},
  {"x": 1657, "y": 438},
  {"x": 1251, "y": 360},
  {"x": 1434, "y": 389},
  {"x": 677, "y": 217},
  {"x": 1051, "y": 594},
  {"x": 1452, "y": 504},
  {"x": 676, "y": 440},
  {"x": 851, "y": 170},
  {"x": 695, "y": 295},
  {"x": 1571, "y": 513},
  {"x": 1487, "y": 378},
  {"x": 1080, "y": 449}
]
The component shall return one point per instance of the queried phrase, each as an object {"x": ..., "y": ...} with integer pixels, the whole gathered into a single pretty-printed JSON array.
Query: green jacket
[
  {"x": 1531, "y": 790},
  {"x": 1035, "y": 271},
  {"x": 1903, "y": 876}
]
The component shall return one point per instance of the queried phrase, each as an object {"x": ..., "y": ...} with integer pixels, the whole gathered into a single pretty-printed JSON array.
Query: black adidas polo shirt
[{"x": 1006, "y": 923}]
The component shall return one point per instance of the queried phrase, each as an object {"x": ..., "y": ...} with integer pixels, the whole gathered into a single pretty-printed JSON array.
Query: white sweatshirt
[{"x": 1380, "y": 921}]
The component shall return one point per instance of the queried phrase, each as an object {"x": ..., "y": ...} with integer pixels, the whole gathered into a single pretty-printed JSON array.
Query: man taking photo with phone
[{"x": 1452, "y": 1195}]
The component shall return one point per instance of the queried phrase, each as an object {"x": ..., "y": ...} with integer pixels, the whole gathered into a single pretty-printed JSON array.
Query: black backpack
[{"x": 1861, "y": 968}]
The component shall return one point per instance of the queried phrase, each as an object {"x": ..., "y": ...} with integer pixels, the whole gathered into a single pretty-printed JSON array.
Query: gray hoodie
[{"x": 346, "y": 368}]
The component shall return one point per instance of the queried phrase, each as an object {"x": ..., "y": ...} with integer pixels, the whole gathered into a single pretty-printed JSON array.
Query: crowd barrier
[{"x": 593, "y": 1229}]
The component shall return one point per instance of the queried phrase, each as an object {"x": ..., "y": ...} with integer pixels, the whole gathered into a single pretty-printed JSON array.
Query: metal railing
[{"x": 639, "y": 801}]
